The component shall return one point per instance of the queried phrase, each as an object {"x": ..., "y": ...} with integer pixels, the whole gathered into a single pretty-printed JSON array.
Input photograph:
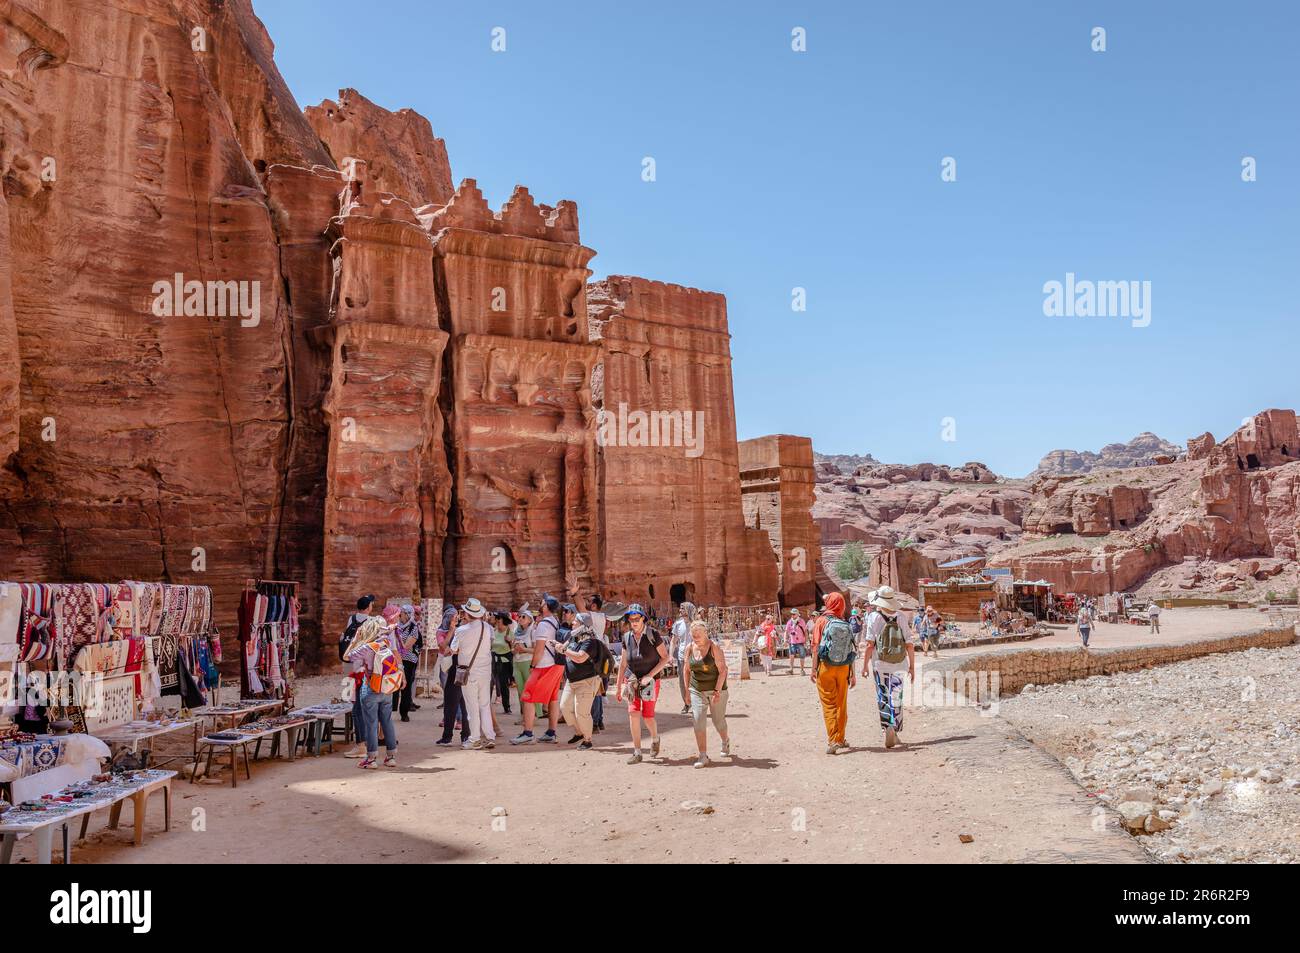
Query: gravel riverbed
[{"x": 1199, "y": 760}]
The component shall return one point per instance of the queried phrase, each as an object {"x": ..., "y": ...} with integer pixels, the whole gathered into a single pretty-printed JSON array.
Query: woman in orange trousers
[{"x": 833, "y": 676}]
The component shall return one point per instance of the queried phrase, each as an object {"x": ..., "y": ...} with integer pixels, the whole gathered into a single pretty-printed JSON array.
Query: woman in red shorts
[{"x": 644, "y": 656}]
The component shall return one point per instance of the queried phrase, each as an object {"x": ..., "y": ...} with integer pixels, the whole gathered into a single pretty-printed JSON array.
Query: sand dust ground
[{"x": 779, "y": 798}]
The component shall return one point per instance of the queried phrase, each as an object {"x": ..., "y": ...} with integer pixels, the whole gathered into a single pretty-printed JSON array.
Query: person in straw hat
[{"x": 890, "y": 651}]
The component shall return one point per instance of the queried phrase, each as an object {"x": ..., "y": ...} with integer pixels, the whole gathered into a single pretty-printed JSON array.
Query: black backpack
[
  {"x": 603, "y": 660},
  {"x": 348, "y": 635}
]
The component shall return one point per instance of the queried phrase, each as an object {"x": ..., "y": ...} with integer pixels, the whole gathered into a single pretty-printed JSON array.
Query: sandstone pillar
[{"x": 386, "y": 476}]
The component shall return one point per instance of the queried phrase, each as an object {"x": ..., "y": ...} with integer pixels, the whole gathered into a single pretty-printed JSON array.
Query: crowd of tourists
[
  {"x": 558, "y": 663},
  {"x": 554, "y": 664}
]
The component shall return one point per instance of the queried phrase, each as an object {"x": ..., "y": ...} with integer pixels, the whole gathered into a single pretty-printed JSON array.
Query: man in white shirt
[
  {"x": 1153, "y": 615},
  {"x": 890, "y": 651},
  {"x": 472, "y": 645}
]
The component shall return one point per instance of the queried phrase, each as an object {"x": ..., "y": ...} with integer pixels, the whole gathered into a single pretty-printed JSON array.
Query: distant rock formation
[
  {"x": 1142, "y": 451},
  {"x": 844, "y": 462}
]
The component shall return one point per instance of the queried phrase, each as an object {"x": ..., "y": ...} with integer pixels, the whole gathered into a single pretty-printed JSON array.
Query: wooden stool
[{"x": 233, "y": 747}]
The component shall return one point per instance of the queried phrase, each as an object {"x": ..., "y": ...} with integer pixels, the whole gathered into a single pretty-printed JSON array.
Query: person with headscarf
[
  {"x": 408, "y": 636},
  {"x": 365, "y": 611},
  {"x": 584, "y": 657},
  {"x": 678, "y": 642},
  {"x": 833, "y": 651},
  {"x": 375, "y": 654},
  {"x": 767, "y": 642}
]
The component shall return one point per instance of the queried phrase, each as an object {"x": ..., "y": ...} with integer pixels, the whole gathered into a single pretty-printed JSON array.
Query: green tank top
[{"x": 704, "y": 672}]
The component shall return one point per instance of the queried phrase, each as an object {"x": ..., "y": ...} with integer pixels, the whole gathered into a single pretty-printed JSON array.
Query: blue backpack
[{"x": 837, "y": 643}]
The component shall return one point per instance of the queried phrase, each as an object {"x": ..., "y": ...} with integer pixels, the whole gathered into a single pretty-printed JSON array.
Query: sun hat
[
  {"x": 525, "y": 611},
  {"x": 615, "y": 611},
  {"x": 885, "y": 598},
  {"x": 635, "y": 609},
  {"x": 474, "y": 609},
  {"x": 794, "y": 611}
]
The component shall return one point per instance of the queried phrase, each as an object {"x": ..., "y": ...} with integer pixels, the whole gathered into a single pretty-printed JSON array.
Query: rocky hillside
[
  {"x": 844, "y": 462},
  {"x": 1146, "y": 449},
  {"x": 1220, "y": 521},
  {"x": 947, "y": 512}
]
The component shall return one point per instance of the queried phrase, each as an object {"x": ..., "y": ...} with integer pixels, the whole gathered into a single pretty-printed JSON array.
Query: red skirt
[{"x": 543, "y": 685}]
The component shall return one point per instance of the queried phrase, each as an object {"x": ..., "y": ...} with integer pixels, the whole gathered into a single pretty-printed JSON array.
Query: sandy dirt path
[{"x": 781, "y": 798}]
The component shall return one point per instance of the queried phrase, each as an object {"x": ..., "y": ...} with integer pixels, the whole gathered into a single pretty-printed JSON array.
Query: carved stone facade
[
  {"x": 672, "y": 524},
  {"x": 777, "y": 481}
]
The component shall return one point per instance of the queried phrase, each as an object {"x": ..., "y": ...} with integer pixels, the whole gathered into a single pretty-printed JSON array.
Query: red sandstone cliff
[{"x": 239, "y": 340}]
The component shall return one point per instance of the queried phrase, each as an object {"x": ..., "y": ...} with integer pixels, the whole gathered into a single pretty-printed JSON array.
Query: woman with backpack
[
  {"x": 586, "y": 660},
  {"x": 889, "y": 652},
  {"x": 833, "y": 653},
  {"x": 365, "y": 610},
  {"x": 376, "y": 656},
  {"x": 1085, "y": 625}
]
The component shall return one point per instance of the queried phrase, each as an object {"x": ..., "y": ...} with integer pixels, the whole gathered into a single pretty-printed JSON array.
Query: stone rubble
[{"x": 1201, "y": 759}]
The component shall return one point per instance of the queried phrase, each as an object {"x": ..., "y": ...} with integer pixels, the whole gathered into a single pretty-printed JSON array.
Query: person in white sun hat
[
  {"x": 890, "y": 651},
  {"x": 472, "y": 646}
]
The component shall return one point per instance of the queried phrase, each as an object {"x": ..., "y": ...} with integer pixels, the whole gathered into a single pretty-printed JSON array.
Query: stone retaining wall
[{"x": 1014, "y": 670}]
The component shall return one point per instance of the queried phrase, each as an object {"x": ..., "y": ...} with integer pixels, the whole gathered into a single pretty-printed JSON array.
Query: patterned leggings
[{"x": 889, "y": 699}]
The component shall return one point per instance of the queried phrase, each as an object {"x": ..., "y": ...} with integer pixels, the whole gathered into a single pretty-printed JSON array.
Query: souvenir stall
[
  {"x": 268, "y": 638},
  {"x": 102, "y": 657},
  {"x": 10, "y": 610}
]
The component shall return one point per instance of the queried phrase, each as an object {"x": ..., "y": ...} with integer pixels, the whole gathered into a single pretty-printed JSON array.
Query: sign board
[{"x": 736, "y": 654}]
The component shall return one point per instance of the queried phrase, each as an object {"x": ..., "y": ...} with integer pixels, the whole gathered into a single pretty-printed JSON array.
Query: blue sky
[{"x": 821, "y": 170}]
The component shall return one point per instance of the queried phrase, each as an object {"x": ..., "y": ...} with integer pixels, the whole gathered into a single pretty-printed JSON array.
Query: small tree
[{"x": 852, "y": 563}]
